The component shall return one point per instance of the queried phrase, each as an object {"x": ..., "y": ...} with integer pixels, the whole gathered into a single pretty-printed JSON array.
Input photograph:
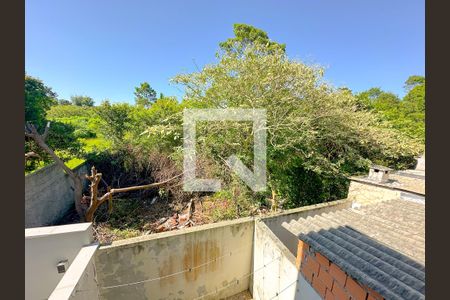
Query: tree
[
  {"x": 82, "y": 101},
  {"x": 145, "y": 96},
  {"x": 64, "y": 102},
  {"x": 114, "y": 120},
  {"x": 40, "y": 139},
  {"x": 385, "y": 103},
  {"x": 413, "y": 107},
  {"x": 406, "y": 115},
  {"x": 38, "y": 99},
  {"x": 414, "y": 80},
  {"x": 247, "y": 35},
  {"x": 311, "y": 126},
  {"x": 94, "y": 178}
]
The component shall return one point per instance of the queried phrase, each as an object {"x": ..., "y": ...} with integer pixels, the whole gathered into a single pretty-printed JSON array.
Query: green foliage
[
  {"x": 83, "y": 119},
  {"x": 75, "y": 162},
  {"x": 145, "y": 96},
  {"x": 61, "y": 139},
  {"x": 413, "y": 81},
  {"x": 114, "y": 120},
  {"x": 413, "y": 108},
  {"x": 159, "y": 127},
  {"x": 247, "y": 36},
  {"x": 313, "y": 128},
  {"x": 82, "y": 100},
  {"x": 63, "y": 111},
  {"x": 406, "y": 115},
  {"x": 317, "y": 134},
  {"x": 38, "y": 99},
  {"x": 64, "y": 102}
]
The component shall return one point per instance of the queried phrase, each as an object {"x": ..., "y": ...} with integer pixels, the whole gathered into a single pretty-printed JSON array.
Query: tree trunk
[
  {"x": 77, "y": 195},
  {"x": 30, "y": 131}
]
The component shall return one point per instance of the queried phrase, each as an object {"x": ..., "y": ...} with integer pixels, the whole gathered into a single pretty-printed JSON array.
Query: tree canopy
[
  {"x": 247, "y": 35},
  {"x": 82, "y": 100},
  {"x": 406, "y": 115},
  {"x": 145, "y": 95},
  {"x": 38, "y": 99},
  {"x": 311, "y": 126}
]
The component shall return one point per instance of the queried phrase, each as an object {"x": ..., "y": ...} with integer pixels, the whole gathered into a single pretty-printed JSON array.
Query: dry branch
[
  {"x": 95, "y": 202},
  {"x": 31, "y": 132}
]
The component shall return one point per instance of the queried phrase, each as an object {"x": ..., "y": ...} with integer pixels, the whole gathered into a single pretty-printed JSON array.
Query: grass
[
  {"x": 95, "y": 144},
  {"x": 75, "y": 162},
  {"x": 89, "y": 145}
]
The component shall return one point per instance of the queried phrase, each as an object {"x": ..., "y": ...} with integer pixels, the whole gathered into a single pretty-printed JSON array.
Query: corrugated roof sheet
[{"x": 380, "y": 245}]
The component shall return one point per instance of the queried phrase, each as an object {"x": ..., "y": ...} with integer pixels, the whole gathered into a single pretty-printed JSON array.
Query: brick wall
[{"x": 329, "y": 281}]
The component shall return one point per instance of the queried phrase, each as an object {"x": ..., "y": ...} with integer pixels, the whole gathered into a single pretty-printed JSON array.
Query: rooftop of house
[
  {"x": 408, "y": 181},
  {"x": 381, "y": 245}
]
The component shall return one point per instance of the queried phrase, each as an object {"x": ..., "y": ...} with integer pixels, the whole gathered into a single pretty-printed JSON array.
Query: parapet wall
[
  {"x": 48, "y": 195},
  {"x": 212, "y": 261},
  {"x": 275, "y": 275},
  {"x": 45, "y": 247}
]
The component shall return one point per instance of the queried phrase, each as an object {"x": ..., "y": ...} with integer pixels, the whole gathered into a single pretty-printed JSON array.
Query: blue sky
[{"x": 104, "y": 49}]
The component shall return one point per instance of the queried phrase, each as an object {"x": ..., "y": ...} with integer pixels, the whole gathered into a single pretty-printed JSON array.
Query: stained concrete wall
[
  {"x": 48, "y": 195},
  {"x": 79, "y": 282},
  {"x": 285, "y": 236},
  {"x": 211, "y": 261},
  {"x": 275, "y": 275},
  {"x": 45, "y": 247}
]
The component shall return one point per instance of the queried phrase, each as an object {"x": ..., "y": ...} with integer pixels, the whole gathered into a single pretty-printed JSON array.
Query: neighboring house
[{"x": 374, "y": 250}]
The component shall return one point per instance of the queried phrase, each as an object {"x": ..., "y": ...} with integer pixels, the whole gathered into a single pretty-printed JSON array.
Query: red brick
[
  {"x": 320, "y": 287},
  {"x": 310, "y": 263},
  {"x": 338, "y": 274},
  {"x": 356, "y": 291},
  {"x": 301, "y": 253},
  {"x": 325, "y": 277},
  {"x": 308, "y": 274},
  {"x": 375, "y": 295},
  {"x": 339, "y": 292},
  {"x": 322, "y": 260},
  {"x": 329, "y": 295}
]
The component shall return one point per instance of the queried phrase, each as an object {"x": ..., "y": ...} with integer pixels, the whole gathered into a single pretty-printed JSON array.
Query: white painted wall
[
  {"x": 79, "y": 282},
  {"x": 275, "y": 275},
  {"x": 44, "y": 248}
]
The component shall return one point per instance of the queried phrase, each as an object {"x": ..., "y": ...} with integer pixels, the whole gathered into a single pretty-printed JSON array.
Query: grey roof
[{"x": 380, "y": 245}]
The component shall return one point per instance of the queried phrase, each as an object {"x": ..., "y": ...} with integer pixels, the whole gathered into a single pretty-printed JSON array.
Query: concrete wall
[
  {"x": 285, "y": 236},
  {"x": 45, "y": 247},
  {"x": 364, "y": 193},
  {"x": 211, "y": 261},
  {"x": 48, "y": 195},
  {"x": 421, "y": 163},
  {"x": 275, "y": 275},
  {"x": 79, "y": 282}
]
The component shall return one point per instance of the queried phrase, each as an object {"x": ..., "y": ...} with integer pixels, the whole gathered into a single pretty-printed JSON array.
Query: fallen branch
[{"x": 95, "y": 202}]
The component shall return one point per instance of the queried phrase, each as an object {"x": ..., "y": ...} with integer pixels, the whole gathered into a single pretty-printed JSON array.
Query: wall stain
[{"x": 197, "y": 253}]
